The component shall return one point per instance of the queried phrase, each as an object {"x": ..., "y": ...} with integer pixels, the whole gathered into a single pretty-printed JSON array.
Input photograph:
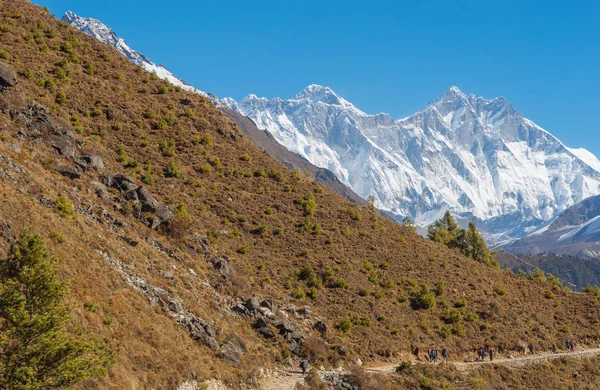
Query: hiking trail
[{"x": 287, "y": 380}]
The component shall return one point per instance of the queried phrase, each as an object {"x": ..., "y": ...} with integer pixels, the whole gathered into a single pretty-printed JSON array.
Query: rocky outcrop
[
  {"x": 8, "y": 77},
  {"x": 197, "y": 328}
]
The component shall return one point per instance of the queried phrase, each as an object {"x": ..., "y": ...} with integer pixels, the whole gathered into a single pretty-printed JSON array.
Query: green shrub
[
  {"x": 173, "y": 170},
  {"x": 461, "y": 303},
  {"x": 61, "y": 97},
  {"x": 453, "y": 316},
  {"x": 259, "y": 229},
  {"x": 163, "y": 90},
  {"x": 500, "y": 290},
  {"x": 423, "y": 299},
  {"x": 65, "y": 208},
  {"x": 373, "y": 277},
  {"x": 364, "y": 292},
  {"x": 538, "y": 275},
  {"x": 246, "y": 157},
  {"x": 148, "y": 179},
  {"x": 439, "y": 288},
  {"x": 340, "y": 283},
  {"x": 309, "y": 204},
  {"x": 298, "y": 293},
  {"x": 27, "y": 73},
  {"x": 260, "y": 172},
  {"x": 205, "y": 140},
  {"x": 345, "y": 325}
]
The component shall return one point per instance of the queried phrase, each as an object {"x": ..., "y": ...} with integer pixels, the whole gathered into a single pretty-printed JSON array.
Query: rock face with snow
[
  {"x": 103, "y": 33},
  {"x": 479, "y": 158},
  {"x": 574, "y": 232}
]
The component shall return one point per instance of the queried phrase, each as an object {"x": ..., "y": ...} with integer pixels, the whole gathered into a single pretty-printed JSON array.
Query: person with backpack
[
  {"x": 491, "y": 354},
  {"x": 482, "y": 354},
  {"x": 304, "y": 365},
  {"x": 445, "y": 355}
]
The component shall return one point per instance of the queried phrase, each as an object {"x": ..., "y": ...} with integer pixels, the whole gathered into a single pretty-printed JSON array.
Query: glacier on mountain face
[{"x": 478, "y": 158}]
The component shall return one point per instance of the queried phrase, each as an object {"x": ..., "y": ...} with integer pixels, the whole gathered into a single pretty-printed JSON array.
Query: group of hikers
[
  {"x": 432, "y": 354},
  {"x": 570, "y": 345},
  {"x": 481, "y": 355}
]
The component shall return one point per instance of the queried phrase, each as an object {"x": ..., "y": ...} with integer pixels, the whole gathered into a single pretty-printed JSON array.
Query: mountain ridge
[{"x": 469, "y": 130}]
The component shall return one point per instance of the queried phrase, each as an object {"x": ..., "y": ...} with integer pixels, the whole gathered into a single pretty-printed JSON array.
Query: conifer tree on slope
[
  {"x": 36, "y": 351},
  {"x": 468, "y": 242}
]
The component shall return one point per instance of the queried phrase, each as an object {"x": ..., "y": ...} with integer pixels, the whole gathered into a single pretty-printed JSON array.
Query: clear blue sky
[{"x": 383, "y": 56}]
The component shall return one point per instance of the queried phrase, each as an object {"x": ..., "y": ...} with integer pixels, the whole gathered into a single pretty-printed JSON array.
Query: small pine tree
[{"x": 37, "y": 350}]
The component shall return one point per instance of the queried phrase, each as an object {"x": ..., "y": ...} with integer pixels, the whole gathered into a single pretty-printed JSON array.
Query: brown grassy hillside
[{"x": 271, "y": 222}]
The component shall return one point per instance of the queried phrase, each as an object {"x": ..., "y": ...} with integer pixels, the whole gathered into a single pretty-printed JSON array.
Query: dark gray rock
[
  {"x": 8, "y": 77},
  {"x": 62, "y": 144},
  {"x": 211, "y": 343},
  {"x": 70, "y": 172},
  {"x": 260, "y": 323},
  {"x": 149, "y": 203},
  {"x": 175, "y": 306},
  {"x": 164, "y": 214},
  {"x": 320, "y": 326},
  {"x": 93, "y": 161},
  {"x": 123, "y": 183},
  {"x": 267, "y": 333},
  {"x": 269, "y": 304},
  {"x": 210, "y": 330},
  {"x": 239, "y": 308},
  {"x": 287, "y": 327},
  {"x": 253, "y": 304},
  {"x": 222, "y": 265},
  {"x": 296, "y": 336},
  {"x": 231, "y": 353},
  {"x": 131, "y": 196}
]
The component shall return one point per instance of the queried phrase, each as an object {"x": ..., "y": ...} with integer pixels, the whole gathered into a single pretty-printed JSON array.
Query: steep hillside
[
  {"x": 178, "y": 220},
  {"x": 574, "y": 232},
  {"x": 264, "y": 140},
  {"x": 479, "y": 158}
]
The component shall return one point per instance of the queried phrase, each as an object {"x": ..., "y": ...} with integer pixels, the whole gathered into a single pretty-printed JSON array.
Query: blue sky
[{"x": 383, "y": 56}]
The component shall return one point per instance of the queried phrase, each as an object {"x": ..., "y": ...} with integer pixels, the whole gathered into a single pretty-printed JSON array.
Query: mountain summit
[{"x": 479, "y": 158}]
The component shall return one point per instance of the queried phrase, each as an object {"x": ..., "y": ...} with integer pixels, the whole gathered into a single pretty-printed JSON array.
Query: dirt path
[
  {"x": 287, "y": 380},
  {"x": 283, "y": 380},
  {"x": 515, "y": 362}
]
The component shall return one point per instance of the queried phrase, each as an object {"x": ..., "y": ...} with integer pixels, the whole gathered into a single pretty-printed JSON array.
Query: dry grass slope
[{"x": 288, "y": 237}]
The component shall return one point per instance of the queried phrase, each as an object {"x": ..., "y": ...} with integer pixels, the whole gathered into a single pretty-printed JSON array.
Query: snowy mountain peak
[
  {"x": 318, "y": 93},
  {"x": 479, "y": 158}
]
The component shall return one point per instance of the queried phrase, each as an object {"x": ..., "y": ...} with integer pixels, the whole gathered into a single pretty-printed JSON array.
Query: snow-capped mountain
[
  {"x": 478, "y": 158},
  {"x": 103, "y": 33}
]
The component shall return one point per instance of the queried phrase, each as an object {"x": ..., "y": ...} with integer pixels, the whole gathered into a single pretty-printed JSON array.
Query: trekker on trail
[
  {"x": 435, "y": 355},
  {"x": 491, "y": 354},
  {"x": 445, "y": 354},
  {"x": 304, "y": 366},
  {"x": 481, "y": 354}
]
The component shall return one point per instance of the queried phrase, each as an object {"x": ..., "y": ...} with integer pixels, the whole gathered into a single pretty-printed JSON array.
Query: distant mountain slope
[
  {"x": 575, "y": 272},
  {"x": 575, "y": 232},
  {"x": 479, "y": 158}
]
